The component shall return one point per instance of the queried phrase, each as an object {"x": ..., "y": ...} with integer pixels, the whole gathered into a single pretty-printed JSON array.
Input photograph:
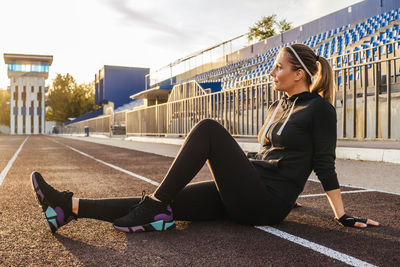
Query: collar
[{"x": 301, "y": 96}]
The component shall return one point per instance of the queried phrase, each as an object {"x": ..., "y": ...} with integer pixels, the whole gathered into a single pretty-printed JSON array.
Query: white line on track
[
  {"x": 295, "y": 239},
  {"x": 111, "y": 165},
  {"x": 10, "y": 163},
  {"x": 314, "y": 246},
  {"x": 360, "y": 187},
  {"x": 342, "y": 192}
]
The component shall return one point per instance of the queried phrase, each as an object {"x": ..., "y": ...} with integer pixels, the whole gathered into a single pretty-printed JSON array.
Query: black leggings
[{"x": 237, "y": 191}]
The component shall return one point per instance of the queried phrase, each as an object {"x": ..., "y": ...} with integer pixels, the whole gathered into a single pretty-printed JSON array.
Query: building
[
  {"x": 117, "y": 84},
  {"x": 27, "y": 75}
]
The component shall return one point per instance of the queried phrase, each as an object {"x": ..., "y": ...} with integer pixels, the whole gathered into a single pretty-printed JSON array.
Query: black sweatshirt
[{"x": 307, "y": 142}]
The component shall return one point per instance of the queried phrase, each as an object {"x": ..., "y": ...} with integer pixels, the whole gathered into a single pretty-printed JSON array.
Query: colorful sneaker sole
[
  {"x": 50, "y": 214},
  {"x": 154, "y": 226}
]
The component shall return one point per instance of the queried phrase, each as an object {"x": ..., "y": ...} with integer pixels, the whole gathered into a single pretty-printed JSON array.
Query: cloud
[{"x": 130, "y": 15}]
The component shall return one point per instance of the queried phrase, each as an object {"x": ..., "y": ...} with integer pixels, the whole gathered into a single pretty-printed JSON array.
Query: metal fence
[
  {"x": 98, "y": 125},
  {"x": 240, "y": 110},
  {"x": 119, "y": 118},
  {"x": 368, "y": 93},
  {"x": 367, "y": 101}
]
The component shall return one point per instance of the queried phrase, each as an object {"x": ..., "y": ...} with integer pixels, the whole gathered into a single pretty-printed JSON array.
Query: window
[
  {"x": 32, "y": 122},
  {"x": 44, "y": 67},
  {"x": 40, "y": 123},
  {"x": 35, "y": 67},
  {"x": 39, "y": 98},
  {"x": 23, "y": 123},
  {"x": 15, "y": 123},
  {"x": 23, "y": 96},
  {"x": 16, "y": 94},
  {"x": 32, "y": 89}
]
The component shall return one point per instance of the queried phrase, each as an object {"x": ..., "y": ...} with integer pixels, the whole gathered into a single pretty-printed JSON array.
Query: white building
[{"x": 27, "y": 75}]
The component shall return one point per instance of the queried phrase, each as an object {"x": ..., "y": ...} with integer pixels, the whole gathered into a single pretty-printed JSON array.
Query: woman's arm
[{"x": 335, "y": 199}]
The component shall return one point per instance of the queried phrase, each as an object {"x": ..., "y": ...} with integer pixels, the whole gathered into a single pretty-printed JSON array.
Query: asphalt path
[{"x": 307, "y": 237}]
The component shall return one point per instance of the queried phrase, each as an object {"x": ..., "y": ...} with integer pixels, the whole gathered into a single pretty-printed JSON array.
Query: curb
[{"x": 352, "y": 153}]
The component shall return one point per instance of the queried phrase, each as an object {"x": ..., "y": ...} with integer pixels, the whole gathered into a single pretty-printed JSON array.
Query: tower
[{"x": 27, "y": 74}]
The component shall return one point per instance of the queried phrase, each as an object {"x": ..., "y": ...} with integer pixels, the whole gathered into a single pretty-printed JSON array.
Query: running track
[{"x": 307, "y": 237}]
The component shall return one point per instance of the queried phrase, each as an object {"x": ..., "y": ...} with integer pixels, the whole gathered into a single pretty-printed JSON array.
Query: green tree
[
  {"x": 263, "y": 28},
  {"x": 66, "y": 99},
  {"x": 4, "y": 107},
  {"x": 80, "y": 97},
  {"x": 284, "y": 25},
  {"x": 267, "y": 27}
]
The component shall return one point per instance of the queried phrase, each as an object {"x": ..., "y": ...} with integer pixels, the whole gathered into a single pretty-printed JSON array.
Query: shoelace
[
  {"x": 138, "y": 209},
  {"x": 66, "y": 194}
]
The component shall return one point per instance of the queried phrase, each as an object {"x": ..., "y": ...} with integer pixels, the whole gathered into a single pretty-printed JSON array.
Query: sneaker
[
  {"x": 147, "y": 215},
  {"x": 56, "y": 205}
]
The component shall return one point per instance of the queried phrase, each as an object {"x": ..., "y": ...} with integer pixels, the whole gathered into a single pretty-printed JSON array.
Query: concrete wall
[{"x": 119, "y": 83}]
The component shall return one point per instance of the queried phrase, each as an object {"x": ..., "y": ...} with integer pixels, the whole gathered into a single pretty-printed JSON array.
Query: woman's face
[{"x": 284, "y": 77}]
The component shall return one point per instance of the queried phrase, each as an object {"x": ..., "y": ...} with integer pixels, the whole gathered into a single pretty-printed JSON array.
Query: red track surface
[{"x": 25, "y": 238}]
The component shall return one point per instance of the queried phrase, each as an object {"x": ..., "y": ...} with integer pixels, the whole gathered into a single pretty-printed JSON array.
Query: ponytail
[
  {"x": 303, "y": 57},
  {"x": 323, "y": 85}
]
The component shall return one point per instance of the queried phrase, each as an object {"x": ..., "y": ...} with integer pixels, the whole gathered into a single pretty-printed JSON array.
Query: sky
[{"x": 84, "y": 35}]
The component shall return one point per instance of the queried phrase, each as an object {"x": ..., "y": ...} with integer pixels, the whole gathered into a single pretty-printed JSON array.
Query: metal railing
[
  {"x": 240, "y": 110},
  {"x": 367, "y": 88},
  {"x": 98, "y": 125},
  {"x": 119, "y": 118}
]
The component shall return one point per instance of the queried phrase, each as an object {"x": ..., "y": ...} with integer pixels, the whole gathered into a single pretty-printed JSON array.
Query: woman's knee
[{"x": 209, "y": 124}]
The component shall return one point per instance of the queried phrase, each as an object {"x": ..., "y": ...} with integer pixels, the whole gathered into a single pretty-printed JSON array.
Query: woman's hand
[
  {"x": 335, "y": 199},
  {"x": 351, "y": 221}
]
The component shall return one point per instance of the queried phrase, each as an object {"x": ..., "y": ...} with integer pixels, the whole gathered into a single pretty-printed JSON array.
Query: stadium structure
[
  {"x": 361, "y": 41},
  {"x": 27, "y": 74}
]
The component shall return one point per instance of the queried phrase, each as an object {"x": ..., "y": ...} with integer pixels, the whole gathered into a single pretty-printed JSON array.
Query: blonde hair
[{"x": 319, "y": 66}]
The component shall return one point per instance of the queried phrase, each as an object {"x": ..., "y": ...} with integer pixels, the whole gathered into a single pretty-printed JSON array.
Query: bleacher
[
  {"x": 362, "y": 35},
  {"x": 364, "y": 55},
  {"x": 129, "y": 106}
]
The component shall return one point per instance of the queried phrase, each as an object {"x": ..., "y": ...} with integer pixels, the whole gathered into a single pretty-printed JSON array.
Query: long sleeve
[{"x": 324, "y": 144}]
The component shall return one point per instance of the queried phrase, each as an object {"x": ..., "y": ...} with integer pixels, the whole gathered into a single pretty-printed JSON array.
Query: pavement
[{"x": 108, "y": 168}]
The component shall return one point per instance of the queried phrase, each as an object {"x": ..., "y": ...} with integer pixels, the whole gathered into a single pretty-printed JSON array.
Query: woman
[{"x": 299, "y": 135}]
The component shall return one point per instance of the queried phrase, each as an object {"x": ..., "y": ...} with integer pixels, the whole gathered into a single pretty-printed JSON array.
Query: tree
[
  {"x": 4, "y": 107},
  {"x": 66, "y": 99},
  {"x": 263, "y": 28},
  {"x": 284, "y": 25},
  {"x": 80, "y": 97},
  {"x": 266, "y": 27}
]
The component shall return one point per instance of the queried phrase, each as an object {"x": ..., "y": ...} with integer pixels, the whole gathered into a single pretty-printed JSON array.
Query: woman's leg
[
  {"x": 243, "y": 194},
  {"x": 199, "y": 201}
]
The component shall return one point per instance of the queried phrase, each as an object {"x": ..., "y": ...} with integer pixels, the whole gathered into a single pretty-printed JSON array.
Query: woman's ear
[{"x": 300, "y": 74}]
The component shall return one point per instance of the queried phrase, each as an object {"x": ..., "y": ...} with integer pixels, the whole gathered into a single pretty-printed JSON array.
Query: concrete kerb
[
  {"x": 351, "y": 153},
  {"x": 369, "y": 154}
]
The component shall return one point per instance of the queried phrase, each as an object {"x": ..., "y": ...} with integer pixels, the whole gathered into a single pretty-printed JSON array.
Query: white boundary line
[
  {"x": 110, "y": 165},
  {"x": 295, "y": 239},
  {"x": 314, "y": 246},
  {"x": 4, "y": 172},
  {"x": 342, "y": 192},
  {"x": 360, "y": 187}
]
